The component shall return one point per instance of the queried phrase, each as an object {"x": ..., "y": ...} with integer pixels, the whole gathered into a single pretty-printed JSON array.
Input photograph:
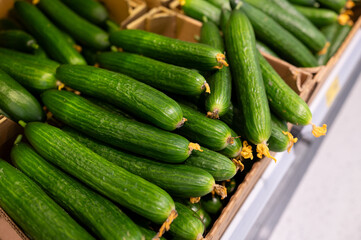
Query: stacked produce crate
[{"x": 189, "y": 119}]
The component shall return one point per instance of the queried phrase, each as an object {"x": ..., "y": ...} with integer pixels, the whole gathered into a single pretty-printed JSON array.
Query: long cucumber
[
  {"x": 18, "y": 40},
  {"x": 199, "y": 8},
  {"x": 318, "y": 16},
  {"x": 100, "y": 215}
]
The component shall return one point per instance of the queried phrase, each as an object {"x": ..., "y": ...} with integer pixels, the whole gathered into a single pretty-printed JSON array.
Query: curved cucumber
[
  {"x": 210, "y": 133},
  {"x": 18, "y": 40},
  {"x": 17, "y": 102},
  {"x": 116, "y": 130},
  {"x": 278, "y": 38},
  {"x": 219, "y": 166},
  {"x": 48, "y": 36},
  {"x": 199, "y": 8},
  {"x": 177, "y": 180},
  {"x": 34, "y": 211},
  {"x": 318, "y": 16},
  {"x": 125, "y": 92},
  {"x": 264, "y": 48},
  {"x": 282, "y": 99},
  {"x": 157, "y": 74},
  {"x": 105, "y": 177},
  {"x": 301, "y": 28},
  {"x": 246, "y": 72},
  {"x": 91, "y": 10},
  {"x": 169, "y": 50},
  {"x": 220, "y": 82},
  {"x": 101, "y": 216},
  {"x": 34, "y": 73},
  {"x": 80, "y": 29}
]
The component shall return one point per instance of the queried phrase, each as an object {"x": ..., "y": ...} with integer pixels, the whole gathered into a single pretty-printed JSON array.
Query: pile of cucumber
[
  {"x": 130, "y": 134},
  {"x": 306, "y": 33}
]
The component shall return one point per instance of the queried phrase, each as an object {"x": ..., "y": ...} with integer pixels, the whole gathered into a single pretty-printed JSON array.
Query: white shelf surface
[{"x": 246, "y": 217}]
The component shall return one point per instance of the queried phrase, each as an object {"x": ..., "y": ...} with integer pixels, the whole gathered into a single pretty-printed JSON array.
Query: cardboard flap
[{"x": 8, "y": 229}]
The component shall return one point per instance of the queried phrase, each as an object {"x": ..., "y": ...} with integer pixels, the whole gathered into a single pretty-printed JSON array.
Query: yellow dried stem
[
  {"x": 214, "y": 114},
  {"x": 222, "y": 60},
  {"x": 166, "y": 225},
  {"x": 319, "y": 131},
  {"x": 194, "y": 146},
  {"x": 343, "y": 19},
  {"x": 246, "y": 152},
  {"x": 34, "y": 2},
  {"x": 239, "y": 164},
  {"x": 182, "y": 2},
  {"x": 195, "y": 199},
  {"x": 206, "y": 86},
  {"x": 61, "y": 86},
  {"x": 220, "y": 190},
  {"x": 262, "y": 149},
  {"x": 96, "y": 65},
  {"x": 49, "y": 115},
  {"x": 349, "y": 4},
  {"x": 78, "y": 48},
  {"x": 181, "y": 123},
  {"x": 350, "y": 23},
  {"x": 324, "y": 49},
  {"x": 230, "y": 140},
  {"x": 292, "y": 140}
]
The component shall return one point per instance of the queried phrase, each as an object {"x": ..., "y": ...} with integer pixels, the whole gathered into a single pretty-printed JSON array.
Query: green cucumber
[
  {"x": 304, "y": 2},
  {"x": 125, "y": 92},
  {"x": 18, "y": 40},
  {"x": 329, "y": 32},
  {"x": 187, "y": 226},
  {"x": 212, "y": 204},
  {"x": 225, "y": 15},
  {"x": 178, "y": 180},
  {"x": 338, "y": 39},
  {"x": 220, "y": 3},
  {"x": 220, "y": 82},
  {"x": 278, "y": 142},
  {"x": 8, "y": 24},
  {"x": 246, "y": 72},
  {"x": 157, "y": 74},
  {"x": 114, "y": 182},
  {"x": 302, "y": 29},
  {"x": 336, "y": 5},
  {"x": 318, "y": 16},
  {"x": 81, "y": 30},
  {"x": 91, "y": 10},
  {"x": 196, "y": 207},
  {"x": 287, "y": 6},
  {"x": 108, "y": 107},
  {"x": 17, "y": 102},
  {"x": 116, "y": 130},
  {"x": 101, "y": 216},
  {"x": 34, "y": 211},
  {"x": 198, "y": 8},
  {"x": 48, "y": 36},
  {"x": 148, "y": 234},
  {"x": 233, "y": 150},
  {"x": 210, "y": 133},
  {"x": 111, "y": 26},
  {"x": 39, "y": 52},
  {"x": 34, "y": 73},
  {"x": 231, "y": 185},
  {"x": 169, "y": 50},
  {"x": 284, "y": 102},
  {"x": 219, "y": 166},
  {"x": 264, "y": 48},
  {"x": 279, "y": 39}
]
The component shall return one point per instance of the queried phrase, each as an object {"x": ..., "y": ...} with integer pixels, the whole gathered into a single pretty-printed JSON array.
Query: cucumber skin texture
[
  {"x": 264, "y": 48},
  {"x": 199, "y": 8},
  {"x": 208, "y": 132},
  {"x": 48, "y": 36},
  {"x": 302, "y": 29},
  {"x": 318, "y": 16},
  {"x": 157, "y": 74},
  {"x": 101, "y": 216},
  {"x": 335, "y": 5},
  {"x": 284, "y": 102},
  {"x": 17, "y": 102},
  {"x": 81, "y": 30},
  {"x": 125, "y": 92},
  {"x": 329, "y": 32},
  {"x": 289, "y": 7},
  {"x": 247, "y": 76},
  {"x": 219, "y": 166},
  {"x": 165, "y": 49},
  {"x": 178, "y": 180},
  {"x": 278, "y": 142},
  {"x": 34, "y": 73},
  {"x": 220, "y": 82},
  {"x": 34, "y": 211},
  {"x": 303, "y": 2},
  {"x": 341, "y": 34},
  {"x": 186, "y": 226},
  {"x": 225, "y": 15},
  {"x": 91, "y": 10},
  {"x": 116, "y": 130},
  {"x": 17, "y": 40},
  {"x": 233, "y": 150},
  {"x": 279, "y": 39},
  {"x": 114, "y": 182}
]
